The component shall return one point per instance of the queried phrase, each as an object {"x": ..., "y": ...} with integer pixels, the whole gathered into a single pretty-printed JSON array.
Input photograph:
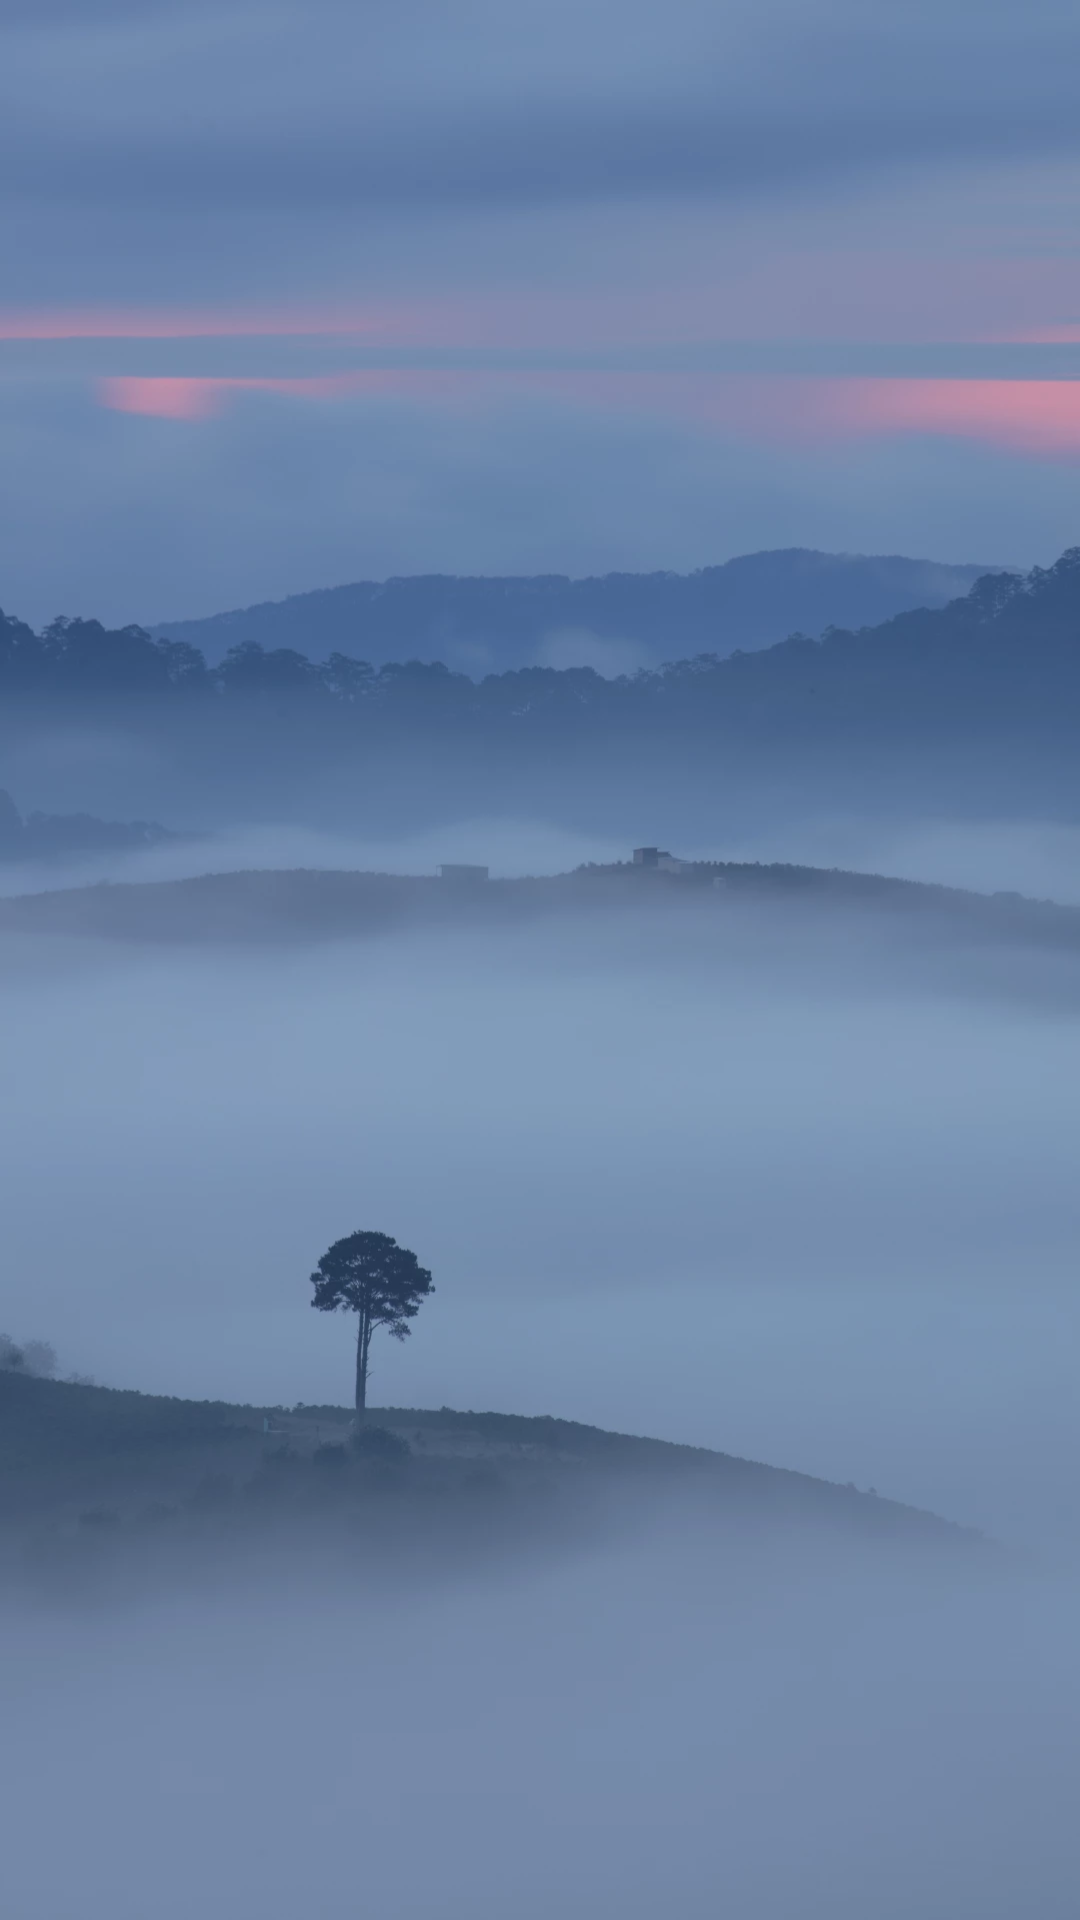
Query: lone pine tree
[{"x": 383, "y": 1284}]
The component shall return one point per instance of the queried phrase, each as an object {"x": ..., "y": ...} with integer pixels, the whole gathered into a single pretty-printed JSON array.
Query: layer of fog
[
  {"x": 1038, "y": 858},
  {"x": 580, "y": 647},
  {"x": 805, "y": 1198},
  {"x": 508, "y": 847},
  {"x": 799, "y": 1189},
  {"x": 664, "y": 1728}
]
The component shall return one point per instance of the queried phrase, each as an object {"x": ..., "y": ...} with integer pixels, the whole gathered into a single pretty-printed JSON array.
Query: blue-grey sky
[{"x": 296, "y": 294}]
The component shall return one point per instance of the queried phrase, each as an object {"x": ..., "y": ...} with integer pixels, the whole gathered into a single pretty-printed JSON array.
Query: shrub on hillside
[{"x": 379, "y": 1443}]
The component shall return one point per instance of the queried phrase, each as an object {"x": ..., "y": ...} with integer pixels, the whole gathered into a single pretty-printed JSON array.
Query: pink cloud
[
  {"x": 186, "y": 397},
  {"x": 169, "y": 399},
  {"x": 771, "y": 292},
  {"x": 1027, "y": 416},
  {"x": 194, "y": 324},
  {"x": 1064, "y": 333},
  {"x": 490, "y": 318}
]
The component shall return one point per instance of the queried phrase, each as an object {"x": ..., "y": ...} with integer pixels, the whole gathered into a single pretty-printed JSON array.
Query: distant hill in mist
[
  {"x": 69, "y": 836},
  {"x": 309, "y": 904},
  {"x": 614, "y": 623},
  {"x": 972, "y": 708}
]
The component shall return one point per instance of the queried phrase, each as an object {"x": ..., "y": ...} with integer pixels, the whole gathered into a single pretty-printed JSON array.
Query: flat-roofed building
[{"x": 659, "y": 857}]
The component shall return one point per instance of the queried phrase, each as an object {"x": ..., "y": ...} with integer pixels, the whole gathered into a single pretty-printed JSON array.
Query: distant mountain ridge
[{"x": 615, "y": 622}]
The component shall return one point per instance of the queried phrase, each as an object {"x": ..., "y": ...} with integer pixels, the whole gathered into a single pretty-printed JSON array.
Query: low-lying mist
[
  {"x": 790, "y": 1184},
  {"x": 795, "y": 1182},
  {"x": 668, "y": 1726}
]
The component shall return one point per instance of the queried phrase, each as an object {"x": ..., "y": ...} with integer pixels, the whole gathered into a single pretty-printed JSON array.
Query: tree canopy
[{"x": 370, "y": 1275}]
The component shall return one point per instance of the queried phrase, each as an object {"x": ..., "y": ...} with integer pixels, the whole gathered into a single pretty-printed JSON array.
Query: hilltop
[
  {"x": 88, "y": 1470},
  {"x": 311, "y": 904}
]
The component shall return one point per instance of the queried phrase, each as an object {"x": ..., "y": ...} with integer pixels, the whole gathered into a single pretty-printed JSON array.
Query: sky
[{"x": 297, "y": 294}]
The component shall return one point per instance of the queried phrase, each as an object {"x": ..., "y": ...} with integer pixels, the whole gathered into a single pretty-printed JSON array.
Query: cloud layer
[
  {"x": 500, "y": 248},
  {"x": 418, "y": 104}
]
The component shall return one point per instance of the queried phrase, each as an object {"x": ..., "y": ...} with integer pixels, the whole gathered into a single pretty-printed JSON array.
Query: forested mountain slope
[
  {"x": 618, "y": 620},
  {"x": 974, "y": 705}
]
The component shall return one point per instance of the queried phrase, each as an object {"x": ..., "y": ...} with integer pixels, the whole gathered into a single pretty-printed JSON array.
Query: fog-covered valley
[
  {"x": 659, "y": 1727},
  {"x": 540, "y": 1089},
  {"x": 746, "y": 1175},
  {"x": 782, "y": 1168},
  {"x": 764, "y": 1176}
]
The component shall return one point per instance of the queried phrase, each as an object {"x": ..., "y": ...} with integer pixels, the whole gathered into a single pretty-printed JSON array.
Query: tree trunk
[{"x": 363, "y": 1338}]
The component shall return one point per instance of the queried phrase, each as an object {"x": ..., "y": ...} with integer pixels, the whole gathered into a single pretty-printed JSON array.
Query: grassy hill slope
[{"x": 74, "y": 1452}]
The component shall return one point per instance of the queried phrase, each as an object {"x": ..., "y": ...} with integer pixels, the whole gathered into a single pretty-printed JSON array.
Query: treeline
[
  {"x": 48, "y": 836},
  {"x": 1009, "y": 647}
]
